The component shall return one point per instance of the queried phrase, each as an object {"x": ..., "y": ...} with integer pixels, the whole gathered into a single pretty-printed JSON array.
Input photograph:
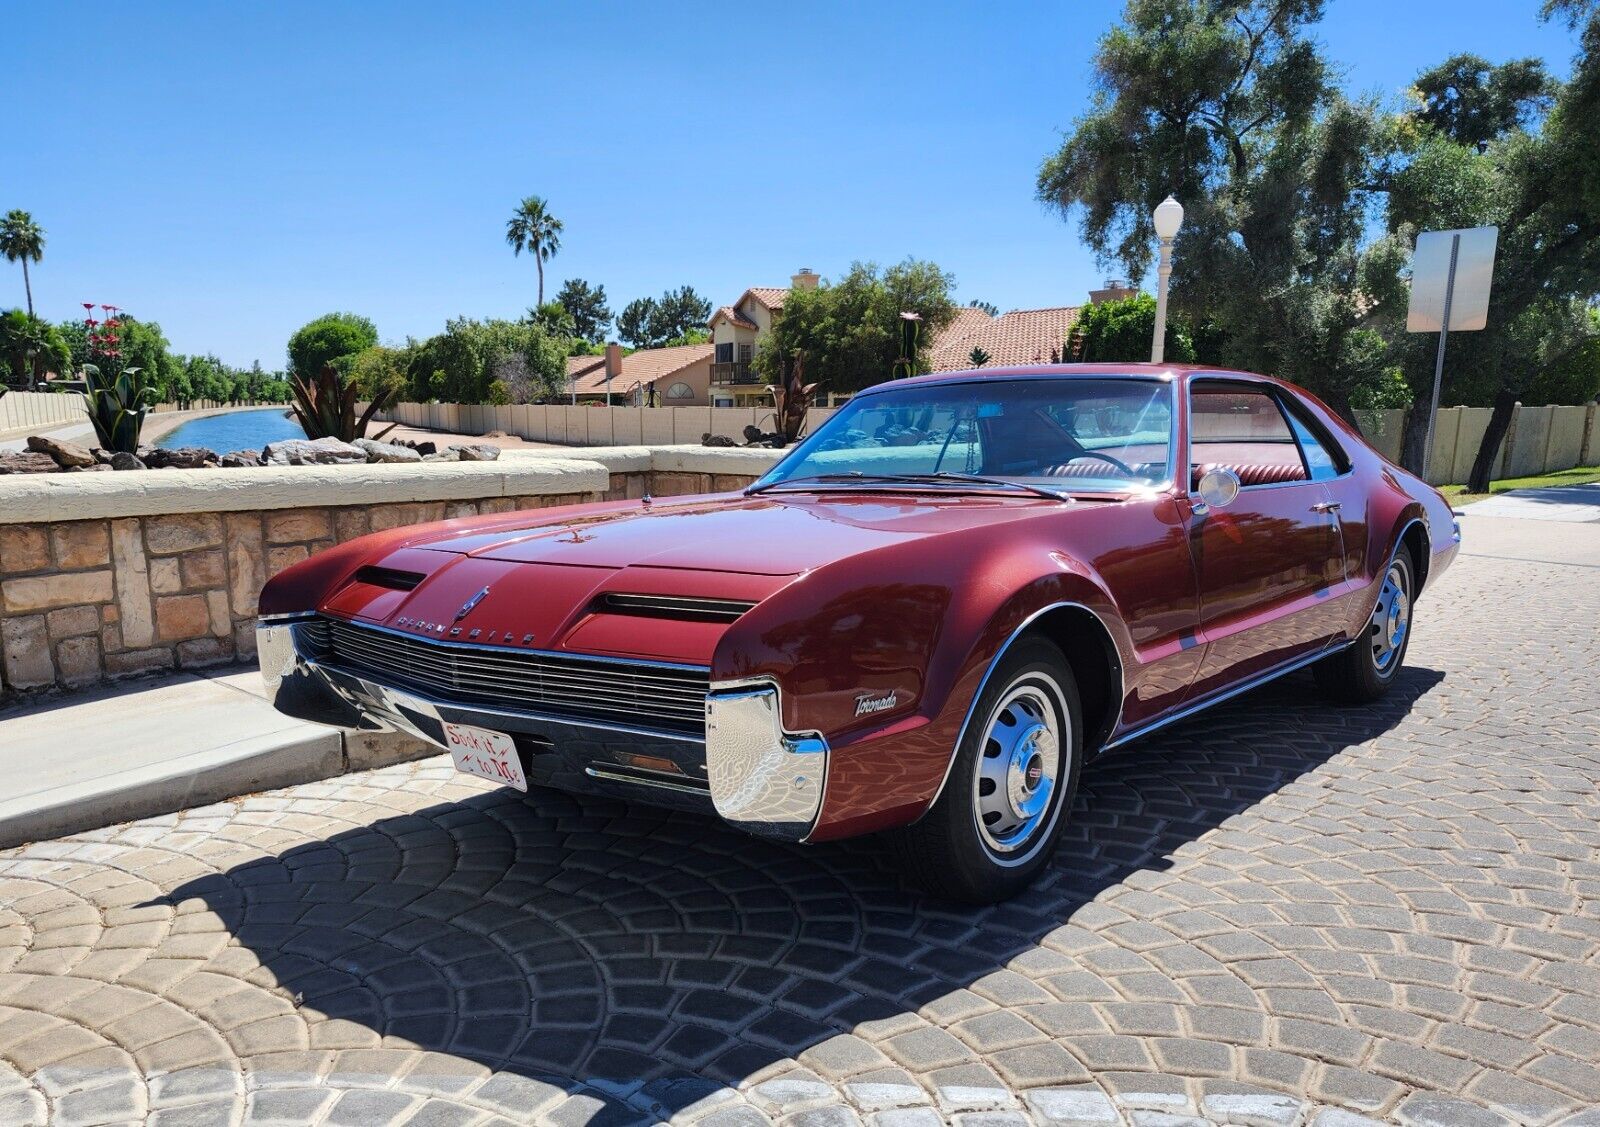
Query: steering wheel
[{"x": 1123, "y": 466}]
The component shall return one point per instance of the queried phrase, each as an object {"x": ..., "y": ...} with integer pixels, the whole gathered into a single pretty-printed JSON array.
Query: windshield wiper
[{"x": 942, "y": 477}]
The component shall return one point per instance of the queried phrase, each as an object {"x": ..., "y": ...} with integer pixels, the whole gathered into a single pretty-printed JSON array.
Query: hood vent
[
  {"x": 682, "y": 607},
  {"x": 392, "y": 578}
]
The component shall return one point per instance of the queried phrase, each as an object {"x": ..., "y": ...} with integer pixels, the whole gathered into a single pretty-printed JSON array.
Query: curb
[{"x": 280, "y": 759}]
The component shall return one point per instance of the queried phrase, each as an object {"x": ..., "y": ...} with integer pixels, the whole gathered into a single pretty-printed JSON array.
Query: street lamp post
[{"x": 1168, "y": 218}]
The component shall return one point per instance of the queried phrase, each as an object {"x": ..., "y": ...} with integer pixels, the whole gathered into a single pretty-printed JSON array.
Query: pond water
[{"x": 237, "y": 430}]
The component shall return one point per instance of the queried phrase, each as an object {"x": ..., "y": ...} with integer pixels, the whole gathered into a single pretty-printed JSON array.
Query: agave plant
[
  {"x": 117, "y": 406},
  {"x": 791, "y": 400},
  {"x": 326, "y": 407}
]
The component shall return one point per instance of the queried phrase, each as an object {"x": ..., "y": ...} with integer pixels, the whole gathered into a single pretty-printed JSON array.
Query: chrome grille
[{"x": 632, "y": 693}]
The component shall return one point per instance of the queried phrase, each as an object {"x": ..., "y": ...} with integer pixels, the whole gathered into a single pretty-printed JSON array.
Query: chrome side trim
[
  {"x": 1227, "y": 694},
  {"x": 989, "y": 672},
  {"x": 764, "y": 780}
]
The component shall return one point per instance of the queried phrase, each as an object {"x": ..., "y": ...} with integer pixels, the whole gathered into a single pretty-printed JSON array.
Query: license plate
[{"x": 486, "y": 754}]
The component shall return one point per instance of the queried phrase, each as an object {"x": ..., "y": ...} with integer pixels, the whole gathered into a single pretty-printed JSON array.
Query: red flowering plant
[{"x": 118, "y": 395}]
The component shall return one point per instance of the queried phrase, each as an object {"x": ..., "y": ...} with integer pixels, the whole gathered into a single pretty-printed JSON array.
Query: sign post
[{"x": 1451, "y": 274}]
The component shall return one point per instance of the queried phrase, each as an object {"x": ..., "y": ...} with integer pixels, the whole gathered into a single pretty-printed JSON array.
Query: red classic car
[{"x": 923, "y": 620}]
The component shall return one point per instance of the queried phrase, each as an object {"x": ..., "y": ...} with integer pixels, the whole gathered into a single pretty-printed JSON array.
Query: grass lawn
[{"x": 1581, "y": 475}]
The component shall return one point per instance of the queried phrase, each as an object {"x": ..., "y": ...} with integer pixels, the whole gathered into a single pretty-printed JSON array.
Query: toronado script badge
[
  {"x": 466, "y": 607},
  {"x": 867, "y": 704}
]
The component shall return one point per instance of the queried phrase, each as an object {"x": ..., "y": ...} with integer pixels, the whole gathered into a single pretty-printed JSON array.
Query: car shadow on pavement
[{"x": 655, "y": 956}]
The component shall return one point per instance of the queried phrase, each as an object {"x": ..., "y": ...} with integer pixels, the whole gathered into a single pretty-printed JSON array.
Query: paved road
[{"x": 1280, "y": 913}]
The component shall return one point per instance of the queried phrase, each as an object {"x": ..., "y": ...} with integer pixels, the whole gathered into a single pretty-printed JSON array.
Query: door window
[{"x": 1243, "y": 429}]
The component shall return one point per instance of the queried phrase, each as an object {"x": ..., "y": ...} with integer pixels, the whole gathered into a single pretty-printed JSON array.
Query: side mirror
[{"x": 1218, "y": 487}]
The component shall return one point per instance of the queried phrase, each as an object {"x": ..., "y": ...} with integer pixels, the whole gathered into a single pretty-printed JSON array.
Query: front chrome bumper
[{"x": 761, "y": 778}]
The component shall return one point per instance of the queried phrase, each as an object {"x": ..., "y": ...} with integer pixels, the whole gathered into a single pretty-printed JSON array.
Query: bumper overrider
[{"x": 746, "y": 767}]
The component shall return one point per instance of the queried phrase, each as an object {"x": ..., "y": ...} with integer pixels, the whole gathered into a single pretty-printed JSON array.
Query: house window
[
  {"x": 680, "y": 390},
  {"x": 744, "y": 353},
  {"x": 725, "y": 353}
]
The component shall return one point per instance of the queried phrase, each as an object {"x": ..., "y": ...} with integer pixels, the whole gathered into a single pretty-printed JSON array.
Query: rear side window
[{"x": 1244, "y": 429}]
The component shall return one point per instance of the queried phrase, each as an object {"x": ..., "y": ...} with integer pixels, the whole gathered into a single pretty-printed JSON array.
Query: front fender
[{"x": 884, "y": 653}]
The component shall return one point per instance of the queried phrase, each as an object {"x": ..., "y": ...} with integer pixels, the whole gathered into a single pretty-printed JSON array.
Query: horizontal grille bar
[{"x": 639, "y": 695}]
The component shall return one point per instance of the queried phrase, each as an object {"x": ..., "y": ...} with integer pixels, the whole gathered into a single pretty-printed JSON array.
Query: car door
[{"x": 1269, "y": 564}]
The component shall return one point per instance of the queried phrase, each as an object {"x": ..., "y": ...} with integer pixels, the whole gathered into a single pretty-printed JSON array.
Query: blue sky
[{"x": 233, "y": 170}]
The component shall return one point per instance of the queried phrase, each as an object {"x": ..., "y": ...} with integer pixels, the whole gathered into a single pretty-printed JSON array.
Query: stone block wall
[{"x": 84, "y": 601}]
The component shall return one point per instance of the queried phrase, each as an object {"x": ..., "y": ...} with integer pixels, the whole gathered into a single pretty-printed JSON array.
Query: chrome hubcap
[
  {"x": 1391, "y": 618},
  {"x": 1019, "y": 764}
]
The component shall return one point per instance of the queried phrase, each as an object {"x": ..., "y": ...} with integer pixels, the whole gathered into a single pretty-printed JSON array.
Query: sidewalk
[{"x": 154, "y": 746}]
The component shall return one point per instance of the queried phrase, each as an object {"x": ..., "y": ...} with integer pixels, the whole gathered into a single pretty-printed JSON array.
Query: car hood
[
  {"x": 547, "y": 584},
  {"x": 760, "y": 535}
]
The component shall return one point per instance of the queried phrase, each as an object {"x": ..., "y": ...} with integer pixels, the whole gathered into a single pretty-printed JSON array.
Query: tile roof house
[
  {"x": 1022, "y": 336},
  {"x": 735, "y": 332},
  {"x": 681, "y": 376}
]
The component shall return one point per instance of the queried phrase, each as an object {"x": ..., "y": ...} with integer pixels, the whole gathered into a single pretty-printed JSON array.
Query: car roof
[{"x": 1128, "y": 371}]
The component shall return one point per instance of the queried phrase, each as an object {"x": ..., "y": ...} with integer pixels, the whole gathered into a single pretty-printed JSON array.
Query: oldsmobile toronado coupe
[{"x": 921, "y": 622}]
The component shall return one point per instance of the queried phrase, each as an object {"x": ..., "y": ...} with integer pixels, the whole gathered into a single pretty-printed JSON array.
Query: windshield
[{"x": 1063, "y": 435}]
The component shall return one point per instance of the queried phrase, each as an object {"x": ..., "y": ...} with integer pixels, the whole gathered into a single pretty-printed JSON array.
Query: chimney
[
  {"x": 805, "y": 279},
  {"x": 613, "y": 360},
  {"x": 1116, "y": 289}
]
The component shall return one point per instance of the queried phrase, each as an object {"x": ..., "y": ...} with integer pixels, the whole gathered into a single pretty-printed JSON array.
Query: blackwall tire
[{"x": 1000, "y": 815}]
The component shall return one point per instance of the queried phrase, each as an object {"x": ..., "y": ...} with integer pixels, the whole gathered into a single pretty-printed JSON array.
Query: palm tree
[
  {"x": 21, "y": 237},
  {"x": 533, "y": 229}
]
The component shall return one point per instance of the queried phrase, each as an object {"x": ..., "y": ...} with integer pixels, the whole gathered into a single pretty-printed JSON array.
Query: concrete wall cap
[{"x": 28, "y": 498}]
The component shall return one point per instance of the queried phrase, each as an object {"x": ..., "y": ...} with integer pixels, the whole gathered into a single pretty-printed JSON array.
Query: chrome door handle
[{"x": 1325, "y": 507}]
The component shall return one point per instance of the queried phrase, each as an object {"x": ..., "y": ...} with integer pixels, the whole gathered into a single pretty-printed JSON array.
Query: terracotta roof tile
[
  {"x": 770, "y": 296},
  {"x": 729, "y": 313},
  {"x": 1022, "y": 336},
  {"x": 644, "y": 366}
]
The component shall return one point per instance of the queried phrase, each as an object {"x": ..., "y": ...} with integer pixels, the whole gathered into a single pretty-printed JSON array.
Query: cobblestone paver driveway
[{"x": 1281, "y": 913}]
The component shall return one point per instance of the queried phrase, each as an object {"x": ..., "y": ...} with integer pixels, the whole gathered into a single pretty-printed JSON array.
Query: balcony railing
[{"x": 739, "y": 373}]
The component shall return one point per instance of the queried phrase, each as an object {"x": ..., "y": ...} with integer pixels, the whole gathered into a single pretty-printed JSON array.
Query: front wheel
[
  {"x": 996, "y": 823},
  {"x": 1364, "y": 670}
]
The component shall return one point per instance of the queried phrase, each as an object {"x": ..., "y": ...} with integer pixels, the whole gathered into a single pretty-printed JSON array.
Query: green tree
[
  {"x": 22, "y": 240},
  {"x": 1121, "y": 331},
  {"x": 462, "y": 364},
  {"x": 379, "y": 372},
  {"x": 849, "y": 330},
  {"x": 533, "y": 229},
  {"x": 1471, "y": 101},
  {"x": 586, "y": 304},
  {"x": 333, "y": 338},
  {"x": 633, "y": 323},
  {"x": 554, "y": 319},
  {"x": 676, "y": 314},
  {"x": 1535, "y": 181},
  {"x": 1232, "y": 107},
  {"x": 988, "y": 307},
  {"x": 30, "y": 348}
]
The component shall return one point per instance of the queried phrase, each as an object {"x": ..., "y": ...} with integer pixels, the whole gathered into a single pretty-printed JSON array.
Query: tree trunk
[
  {"x": 539, "y": 262},
  {"x": 27, "y": 285},
  {"x": 1414, "y": 430},
  {"x": 1499, "y": 423}
]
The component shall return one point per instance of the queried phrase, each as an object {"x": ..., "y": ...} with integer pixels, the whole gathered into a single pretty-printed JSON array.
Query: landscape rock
[
  {"x": 312, "y": 452},
  {"x": 477, "y": 453},
  {"x": 423, "y": 448},
  {"x": 66, "y": 454},
  {"x": 240, "y": 459},
  {"x": 97, "y": 466},
  {"x": 27, "y": 462},
  {"x": 496, "y": 434},
  {"x": 450, "y": 455},
  {"x": 709, "y": 439},
  {"x": 387, "y": 451},
  {"x": 183, "y": 458},
  {"x": 122, "y": 460}
]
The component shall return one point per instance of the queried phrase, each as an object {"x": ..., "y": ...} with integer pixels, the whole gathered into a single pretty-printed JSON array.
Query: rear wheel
[
  {"x": 1364, "y": 670},
  {"x": 995, "y": 825}
]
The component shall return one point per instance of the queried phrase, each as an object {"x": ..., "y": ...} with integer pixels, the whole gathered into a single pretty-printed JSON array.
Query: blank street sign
[{"x": 1430, "y": 273}]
